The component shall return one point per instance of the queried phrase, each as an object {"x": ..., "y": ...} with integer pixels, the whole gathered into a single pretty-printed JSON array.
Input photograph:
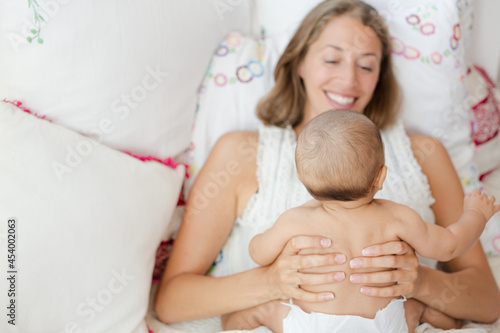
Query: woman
[{"x": 339, "y": 58}]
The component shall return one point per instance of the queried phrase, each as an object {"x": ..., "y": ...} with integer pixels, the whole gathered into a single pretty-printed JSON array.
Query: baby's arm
[
  {"x": 444, "y": 244},
  {"x": 266, "y": 247}
]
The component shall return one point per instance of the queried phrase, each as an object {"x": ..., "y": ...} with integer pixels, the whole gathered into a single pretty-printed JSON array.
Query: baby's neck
[{"x": 335, "y": 205}]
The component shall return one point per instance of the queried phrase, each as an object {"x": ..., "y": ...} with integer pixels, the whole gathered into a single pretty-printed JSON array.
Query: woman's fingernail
[
  {"x": 356, "y": 278},
  {"x": 328, "y": 297},
  {"x": 325, "y": 242},
  {"x": 355, "y": 263},
  {"x": 365, "y": 290},
  {"x": 367, "y": 252},
  {"x": 340, "y": 258},
  {"x": 339, "y": 276}
]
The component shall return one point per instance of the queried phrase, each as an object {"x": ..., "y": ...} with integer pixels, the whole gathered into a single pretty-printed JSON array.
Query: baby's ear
[{"x": 379, "y": 179}]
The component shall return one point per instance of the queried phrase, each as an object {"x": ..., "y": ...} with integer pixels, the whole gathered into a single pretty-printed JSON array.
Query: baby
[{"x": 340, "y": 160}]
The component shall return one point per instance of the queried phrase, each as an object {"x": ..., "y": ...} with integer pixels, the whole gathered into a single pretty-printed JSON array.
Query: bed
[{"x": 109, "y": 109}]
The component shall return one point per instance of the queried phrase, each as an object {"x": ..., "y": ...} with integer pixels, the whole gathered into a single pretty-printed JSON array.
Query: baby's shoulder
[
  {"x": 388, "y": 207},
  {"x": 396, "y": 211},
  {"x": 299, "y": 213}
]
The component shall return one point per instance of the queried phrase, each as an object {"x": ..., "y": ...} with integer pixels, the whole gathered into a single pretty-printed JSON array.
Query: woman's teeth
[{"x": 340, "y": 99}]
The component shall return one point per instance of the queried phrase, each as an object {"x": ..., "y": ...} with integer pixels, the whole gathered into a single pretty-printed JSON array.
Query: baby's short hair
[{"x": 338, "y": 155}]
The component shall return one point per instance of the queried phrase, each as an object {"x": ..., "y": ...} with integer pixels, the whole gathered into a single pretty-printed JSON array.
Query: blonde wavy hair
[{"x": 284, "y": 104}]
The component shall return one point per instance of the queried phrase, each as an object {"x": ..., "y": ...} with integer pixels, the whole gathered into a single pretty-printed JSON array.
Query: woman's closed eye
[{"x": 367, "y": 68}]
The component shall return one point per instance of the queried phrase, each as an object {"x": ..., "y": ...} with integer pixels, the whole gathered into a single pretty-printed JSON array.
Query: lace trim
[
  {"x": 258, "y": 173},
  {"x": 400, "y": 137}
]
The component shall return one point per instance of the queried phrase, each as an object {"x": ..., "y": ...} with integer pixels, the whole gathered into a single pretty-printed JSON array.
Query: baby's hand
[{"x": 481, "y": 203}]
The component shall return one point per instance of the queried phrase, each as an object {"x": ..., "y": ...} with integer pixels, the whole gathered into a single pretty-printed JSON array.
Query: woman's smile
[{"x": 340, "y": 101}]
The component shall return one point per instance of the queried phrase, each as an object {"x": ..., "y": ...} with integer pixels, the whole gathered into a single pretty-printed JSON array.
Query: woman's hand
[
  {"x": 398, "y": 255},
  {"x": 286, "y": 273}
]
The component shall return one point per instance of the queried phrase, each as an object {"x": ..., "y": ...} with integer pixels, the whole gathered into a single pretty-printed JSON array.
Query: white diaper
[{"x": 389, "y": 319}]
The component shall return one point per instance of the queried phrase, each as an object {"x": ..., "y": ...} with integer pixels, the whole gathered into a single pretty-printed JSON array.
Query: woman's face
[{"x": 341, "y": 68}]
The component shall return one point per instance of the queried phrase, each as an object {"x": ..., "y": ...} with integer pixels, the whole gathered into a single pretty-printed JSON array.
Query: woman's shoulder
[{"x": 236, "y": 145}]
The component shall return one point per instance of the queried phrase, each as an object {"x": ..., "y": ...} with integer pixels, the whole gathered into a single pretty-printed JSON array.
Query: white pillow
[
  {"x": 127, "y": 72},
  {"x": 240, "y": 74},
  {"x": 88, "y": 222}
]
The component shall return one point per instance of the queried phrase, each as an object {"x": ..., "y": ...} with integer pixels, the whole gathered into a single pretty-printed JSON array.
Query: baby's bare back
[{"x": 350, "y": 232}]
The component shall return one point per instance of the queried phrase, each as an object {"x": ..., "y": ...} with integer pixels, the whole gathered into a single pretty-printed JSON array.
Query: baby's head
[{"x": 339, "y": 154}]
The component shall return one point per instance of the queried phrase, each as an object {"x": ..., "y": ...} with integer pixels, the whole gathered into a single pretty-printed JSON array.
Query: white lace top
[{"x": 280, "y": 189}]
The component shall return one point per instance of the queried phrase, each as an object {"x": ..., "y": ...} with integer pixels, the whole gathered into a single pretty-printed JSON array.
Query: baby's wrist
[{"x": 477, "y": 212}]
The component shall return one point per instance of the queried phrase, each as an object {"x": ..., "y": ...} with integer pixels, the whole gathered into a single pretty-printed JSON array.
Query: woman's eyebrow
[
  {"x": 334, "y": 46},
  {"x": 341, "y": 49}
]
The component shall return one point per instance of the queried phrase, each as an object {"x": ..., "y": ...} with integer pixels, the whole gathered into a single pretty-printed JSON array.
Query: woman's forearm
[
  {"x": 466, "y": 294},
  {"x": 191, "y": 296}
]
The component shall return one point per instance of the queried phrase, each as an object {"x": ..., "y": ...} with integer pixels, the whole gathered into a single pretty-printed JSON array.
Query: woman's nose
[{"x": 349, "y": 75}]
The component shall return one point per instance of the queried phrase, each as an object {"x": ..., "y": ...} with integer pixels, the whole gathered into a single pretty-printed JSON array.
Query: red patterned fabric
[
  {"x": 487, "y": 112},
  {"x": 162, "y": 255}
]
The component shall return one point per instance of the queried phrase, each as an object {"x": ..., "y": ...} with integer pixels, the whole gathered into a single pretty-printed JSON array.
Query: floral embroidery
[
  {"x": 193, "y": 169},
  {"x": 413, "y": 19},
  {"x": 233, "y": 40},
  {"x": 496, "y": 243},
  {"x": 220, "y": 80},
  {"x": 244, "y": 73},
  {"x": 422, "y": 21},
  {"x": 222, "y": 51},
  {"x": 255, "y": 68},
  {"x": 38, "y": 19},
  {"x": 411, "y": 53},
  {"x": 436, "y": 58},
  {"x": 398, "y": 47},
  {"x": 427, "y": 29}
]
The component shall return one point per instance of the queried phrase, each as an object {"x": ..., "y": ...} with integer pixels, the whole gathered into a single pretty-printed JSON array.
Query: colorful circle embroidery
[
  {"x": 456, "y": 32},
  {"x": 427, "y": 29},
  {"x": 243, "y": 74},
  {"x": 411, "y": 53},
  {"x": 398, "y": 47},
  {"x": 413, "y": 19},
  {"x": 222, "y": 51},
  {"x": 453, "y": 43},
  {"x": 220, "y": 80},
  {"x": 193, "y": 169},
  {"x": 427, "y": 14},
  {"x": 233, "y": 41},
  {"x": 436, "y": 58},
  {"x": 496, "y": 243},
  {"x": 259, "y": 52},
  {"x": 255, "y": 68}
]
